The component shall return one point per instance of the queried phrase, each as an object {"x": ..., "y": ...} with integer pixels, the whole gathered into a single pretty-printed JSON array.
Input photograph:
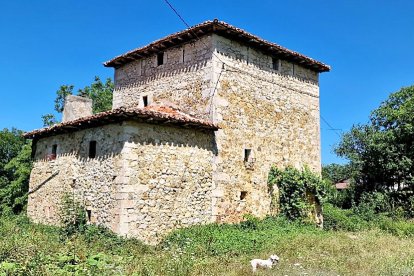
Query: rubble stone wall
[
  {"x": 149, "y": 179},
  {"x": 167, "y": 180},
  {"x": 145, "y": 180},
  {"x": 273, "y": 114},
  {"x": 91, "y": 180},
  {"x": 184, "y": 80}
]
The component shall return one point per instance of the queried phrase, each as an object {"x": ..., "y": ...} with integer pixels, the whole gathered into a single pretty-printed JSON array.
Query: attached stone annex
[{"x": 198, "y": 119}]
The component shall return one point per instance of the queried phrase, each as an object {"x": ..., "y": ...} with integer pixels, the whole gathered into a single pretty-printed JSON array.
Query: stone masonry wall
[
  {"x": 272, "y": 113},
  {"x": 167, "y": 180},
  {"x": 149, "y": 179},
  {"x": 91, "y": 180},
  {"x": 76, "y": 107},
  {"x": 145, "y": 180},
  {"x": 183, "y": 80}
]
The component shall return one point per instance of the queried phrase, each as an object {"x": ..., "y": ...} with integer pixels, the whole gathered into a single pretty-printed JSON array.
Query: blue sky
[{"x": 47, "y": 43}]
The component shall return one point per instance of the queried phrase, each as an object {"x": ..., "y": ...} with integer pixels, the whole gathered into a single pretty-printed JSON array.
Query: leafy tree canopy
[
  {"x": 100, "y": 93},
  {"x": 382, "y": 150},
  {"x": 15, "y": 166},
  {"x": 336, "y": 172},
  {"x": 11, "y": 142}
]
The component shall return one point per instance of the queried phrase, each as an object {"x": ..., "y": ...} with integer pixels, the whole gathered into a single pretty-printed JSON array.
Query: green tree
[
  {"x": 382, "y": 151},
  {"x": 13, "y": 195},
  {"x": 15, "y": 165},
  {"x": 99, "y": 92},
  {"x": 49, "y": 119},
  {"x": 11, "y": 142},
  {"x": 336, "y": 172}
]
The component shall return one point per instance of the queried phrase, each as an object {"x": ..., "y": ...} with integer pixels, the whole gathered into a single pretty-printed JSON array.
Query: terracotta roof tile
[
  {"x": 223, "y": 29},
  {"x": 151, "y": 114},
  {"x": 342, "y": 185}
]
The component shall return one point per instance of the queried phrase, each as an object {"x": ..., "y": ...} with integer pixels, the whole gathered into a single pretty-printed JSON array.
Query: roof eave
[
  {"x": 220, "y": 28},
  {"x": 120, "y": 115}
]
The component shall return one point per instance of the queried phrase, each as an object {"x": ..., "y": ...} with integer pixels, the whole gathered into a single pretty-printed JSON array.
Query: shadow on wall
[
  {"x": 101, "y": 149},
  {"x": 183, "y": 138},
  {"x": 158, "y": 73},
  {"x": 43, "y": 183}
]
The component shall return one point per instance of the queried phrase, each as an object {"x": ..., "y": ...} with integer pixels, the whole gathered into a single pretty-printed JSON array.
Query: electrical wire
[
  {"x": 224, "y": 63},
  {"x": 189, "y": 27},
  {"x": 330, "y": 126}
]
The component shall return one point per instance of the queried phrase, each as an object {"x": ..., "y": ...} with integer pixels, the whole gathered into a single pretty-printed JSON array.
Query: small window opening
[
  {"x": 275, "y": 63},
  {"x": 160, "y": 58},
  {"x": 293, "y": 69},
  {"x": 247, "y": 155},
  {"x": 54, "y": 149},
  {"x": 183, "y": 54},
  {"x": 243, "y": 195},
  {"x": 89, "y": 215},
  {"x": 145, "y": 100},
  {"x": 92, "y": 149},
  {"x": 52, "y": 156}
]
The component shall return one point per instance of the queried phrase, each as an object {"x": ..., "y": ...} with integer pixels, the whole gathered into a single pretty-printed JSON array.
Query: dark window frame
[
  {"x": 275, "y": 63},
  {"x": 160, "y": 58},
  {"x": 53, "y": 154},
  {"x": 145, "y": 100},
  {"x": 89, "y": 215},
  {"x": 92, "y": 149},
  {"x": 54, "y": 149},
  {"x": 247, "y": 155}
]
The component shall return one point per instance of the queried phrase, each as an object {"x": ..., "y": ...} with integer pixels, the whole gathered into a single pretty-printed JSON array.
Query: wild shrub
[
  {"x": 72, "y": 216},
  {"x": 295, "y": 188},
  {"x": 335, "y": 218},
  {"x": 410, "y": 207},
  {"x": 344, "y": 199},
  {"x": 401, "y": 228},
  {"x": 371, "y": 204},
  {"x": 250, "y": 222},
  {"x": 233, "y": 239}
]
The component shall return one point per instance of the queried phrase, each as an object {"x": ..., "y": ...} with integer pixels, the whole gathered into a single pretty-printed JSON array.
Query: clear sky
[{"x": 48, "y": 43}]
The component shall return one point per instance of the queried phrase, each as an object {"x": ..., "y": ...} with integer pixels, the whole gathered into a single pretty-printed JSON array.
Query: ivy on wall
[{"x": 299, "y": 191}]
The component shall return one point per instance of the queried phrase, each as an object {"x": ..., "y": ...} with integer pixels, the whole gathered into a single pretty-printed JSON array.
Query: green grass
[{"x": 383, "y": 247}]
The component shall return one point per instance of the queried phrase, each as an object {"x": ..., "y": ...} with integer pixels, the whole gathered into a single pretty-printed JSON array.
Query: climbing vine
[{"x": 299, "y": 190}]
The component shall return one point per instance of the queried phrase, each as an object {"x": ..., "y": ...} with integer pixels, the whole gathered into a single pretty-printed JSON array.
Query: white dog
[{"x": 273, "y": 259}]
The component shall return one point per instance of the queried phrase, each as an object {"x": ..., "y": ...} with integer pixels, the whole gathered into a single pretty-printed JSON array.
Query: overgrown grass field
[{"x": 377, "y": 247}]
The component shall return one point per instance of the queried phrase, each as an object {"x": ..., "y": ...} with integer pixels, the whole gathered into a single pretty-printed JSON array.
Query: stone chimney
[{"x": 76, "y": 107}]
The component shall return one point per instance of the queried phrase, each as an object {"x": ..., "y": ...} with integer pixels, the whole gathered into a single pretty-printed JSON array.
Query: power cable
[
  {"x": 189, "y": 28},
  {"x": 331, "y": 127}
]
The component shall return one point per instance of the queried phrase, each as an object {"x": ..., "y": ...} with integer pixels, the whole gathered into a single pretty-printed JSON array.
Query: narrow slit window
[
  {"x": 275, "y": 63},
  {"x": 243, "y": 195},
  {"x": 89, "y": 215},
  {"x": 183, "y": 54},
  {"x": 145, "y": 100},
  {"x": 247, "y": 155},
  {"x": 160, "y": 58},
  {"x": 54, "y": 150},
  {"x": 52, "y": 155},
  {"x": 92, "y": 149}
]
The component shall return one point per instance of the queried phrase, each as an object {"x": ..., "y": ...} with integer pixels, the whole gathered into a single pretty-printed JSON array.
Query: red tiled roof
[
  {"x": 150, "y": 114},
  {"x": 223, "y": 29},
  {"x": 342, "y": 185}
]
